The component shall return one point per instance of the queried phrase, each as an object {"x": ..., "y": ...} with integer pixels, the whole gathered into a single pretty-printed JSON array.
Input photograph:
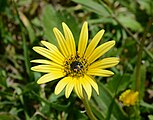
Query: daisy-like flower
[
  {"x": 129, "y": 97},
  {"x": 74, "y": 66}
]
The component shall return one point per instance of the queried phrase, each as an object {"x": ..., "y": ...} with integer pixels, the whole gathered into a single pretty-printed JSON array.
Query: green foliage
[
  {"x": 52, "y": 18},
  {"x": 24, "y": 23},
  {"x": 106, "y": 103}
]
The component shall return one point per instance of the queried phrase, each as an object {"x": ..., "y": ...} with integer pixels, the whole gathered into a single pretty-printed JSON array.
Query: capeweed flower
[{"x": 74, "y": 66}]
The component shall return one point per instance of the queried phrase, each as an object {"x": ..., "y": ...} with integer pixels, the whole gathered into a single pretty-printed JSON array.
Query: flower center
[{"x": 75, "y": 66}]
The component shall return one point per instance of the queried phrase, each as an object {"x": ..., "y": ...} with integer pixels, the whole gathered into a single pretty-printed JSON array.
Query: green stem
[
  {"x": 87, "y": 107},
  {"x": 138, "y": 66}
]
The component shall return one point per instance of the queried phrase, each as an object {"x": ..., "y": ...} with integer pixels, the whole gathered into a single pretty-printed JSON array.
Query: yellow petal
[
  {"x": 43, "y": 51},
  {"x": 100, "y": 72},
  {"x": 69, "y": 39},
  {"x": 105, "y": 63},
  {"x": 54, "y": 50},
  {"x": 48, "y": 62},
  {"x": 83, "y": 39},
  {"x": 78, "y": 87},
  {"x": 48, "y": 54},
  {"x": 49, "y": 77},
  {"x": 99, "y": 51},
  {"x": 94, "y": 43},
  {"x": 61, "y": 42},
  {"x": 61, "y": 84},
  {"x": 87, "y": 87},
  {"x": 92, "y": 83},
  {"x": 47, "y": 68},
  {"x": 69, "y": 87}
]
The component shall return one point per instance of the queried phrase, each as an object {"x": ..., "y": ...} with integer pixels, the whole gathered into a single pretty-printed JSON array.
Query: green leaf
[
  {"x": 147, "y": 5},
  {"x": 150, "y": 117},
  {"x": 130, "y": 22},
  {"x": 146, "y": 105},
  {"x": 28, "y": 26},
  {"x": 26, "y": 56},
  {"x": 52, "y": 18},
  {"x": 101, "y": 20},
  {"x": 7, "y": 116},
  {"x": 48, "y": 103},
  {"x": 104, "y": 103},
  {"x": 94, "y": 6},
  {"x": 99, "y": 115},
  {"x": 49, "y": 21},
  {"x": 71, "y": 22},
  {"x": 3, "y": 78},
  {"x": 118, "y": 83}
]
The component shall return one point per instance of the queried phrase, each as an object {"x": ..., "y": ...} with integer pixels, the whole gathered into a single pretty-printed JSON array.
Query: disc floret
[{"x": 75, "y": 66}]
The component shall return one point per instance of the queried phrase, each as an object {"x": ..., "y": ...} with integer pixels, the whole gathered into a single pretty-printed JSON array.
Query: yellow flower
[
  {"x": 129, "y": 97},
  {"x": 74, "y": 66}
]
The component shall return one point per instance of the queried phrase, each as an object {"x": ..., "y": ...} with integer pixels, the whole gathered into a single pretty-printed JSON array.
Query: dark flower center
[{"x": 76, "y": 66}]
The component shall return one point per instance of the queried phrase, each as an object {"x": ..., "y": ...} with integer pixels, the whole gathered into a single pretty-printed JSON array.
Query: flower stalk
[
  {"x": 138, "y": 66},
  {"x": 87, "y": 107}
]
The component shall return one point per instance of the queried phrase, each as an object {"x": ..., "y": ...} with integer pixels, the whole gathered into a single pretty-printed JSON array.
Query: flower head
[
  {"x": 74, "y": 66},
  {"x": 129, "y": 97}
]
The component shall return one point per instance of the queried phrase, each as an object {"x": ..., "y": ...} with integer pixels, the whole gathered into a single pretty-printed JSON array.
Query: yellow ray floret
[
  {"x": 99, "y": 51},
  {"x": 61, "y": 42},
  {"x": 83, "y": 39},
  {"x": 50, "y": 77},
  {"x": 94, "y": 42},
  {"x": 105, "y": 63},
  {"x": 69, "y": 39},
  {"x": 61, "y": 84}
]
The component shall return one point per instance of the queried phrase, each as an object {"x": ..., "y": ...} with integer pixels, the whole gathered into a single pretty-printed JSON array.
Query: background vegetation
[{"x": 24, "y": 23}]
